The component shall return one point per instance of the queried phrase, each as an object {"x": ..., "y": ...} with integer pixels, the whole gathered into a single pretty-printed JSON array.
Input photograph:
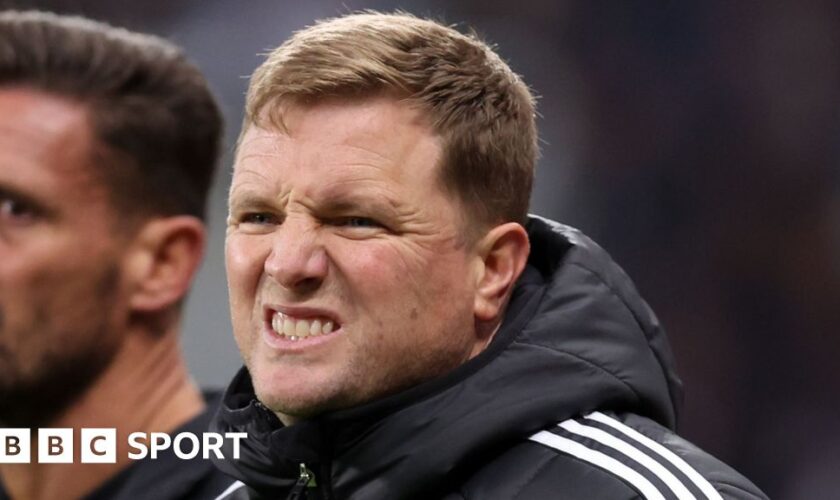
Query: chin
[
  {"x": 290, "y": 410},
  {"x": 282, "y": 395}
]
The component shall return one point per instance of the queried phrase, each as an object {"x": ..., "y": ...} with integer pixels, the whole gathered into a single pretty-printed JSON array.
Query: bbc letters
[{"x": 99, "y": 445}]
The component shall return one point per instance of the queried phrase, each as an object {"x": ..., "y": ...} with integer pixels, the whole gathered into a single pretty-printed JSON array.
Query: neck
[{"x": 146, "y": 388}]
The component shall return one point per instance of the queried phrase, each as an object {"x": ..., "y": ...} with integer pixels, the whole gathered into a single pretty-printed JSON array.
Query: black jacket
[{"x": 576, "y": 339}]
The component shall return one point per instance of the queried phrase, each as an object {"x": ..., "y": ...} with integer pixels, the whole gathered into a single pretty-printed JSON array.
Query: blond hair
[{"x": 481, "y": 109}]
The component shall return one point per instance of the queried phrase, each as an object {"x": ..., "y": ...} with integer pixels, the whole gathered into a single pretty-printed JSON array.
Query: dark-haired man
[
  {"x": 408, "y": 330},
  {"x": 108, "y": 142}
]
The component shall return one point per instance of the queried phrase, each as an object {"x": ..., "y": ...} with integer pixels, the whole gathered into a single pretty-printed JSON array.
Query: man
[
  {"x": 108, "y": 141},
  {"x": 408, "y": 331}
]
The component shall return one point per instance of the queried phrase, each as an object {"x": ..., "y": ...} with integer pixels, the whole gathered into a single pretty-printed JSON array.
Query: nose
[{"x": 298, "y": 260}]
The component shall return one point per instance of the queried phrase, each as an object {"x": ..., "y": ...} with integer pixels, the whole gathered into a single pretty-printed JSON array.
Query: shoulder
[
  {"x": 165, "y": 479},
  {"x": 604, "y": 455},
  {"x": 168, "y": 476}
]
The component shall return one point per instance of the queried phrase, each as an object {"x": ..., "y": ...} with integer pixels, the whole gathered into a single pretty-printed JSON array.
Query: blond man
[{"x": 408, "y": 331}]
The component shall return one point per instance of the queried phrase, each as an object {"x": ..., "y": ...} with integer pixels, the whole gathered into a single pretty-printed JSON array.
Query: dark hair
[
  {"x": 483, "y": 111},
  {"x": 157, "y": 126}
]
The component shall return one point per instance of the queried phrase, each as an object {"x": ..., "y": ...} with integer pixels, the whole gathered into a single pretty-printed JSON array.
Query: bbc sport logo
[{"x": 99, "y": 445}]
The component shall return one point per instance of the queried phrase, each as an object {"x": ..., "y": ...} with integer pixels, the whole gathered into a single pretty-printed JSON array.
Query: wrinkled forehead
[
  {"x": 375, "y": 134},
  {"x": 284, "y": 112}
]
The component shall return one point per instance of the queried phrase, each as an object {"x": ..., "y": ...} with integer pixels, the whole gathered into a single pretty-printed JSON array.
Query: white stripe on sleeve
[
  {"x": 575, "y": 449},
  {"x": 701, "y": 482},
  {"x": 615, "y": 443},
  {"x": 230, "y": 489}
]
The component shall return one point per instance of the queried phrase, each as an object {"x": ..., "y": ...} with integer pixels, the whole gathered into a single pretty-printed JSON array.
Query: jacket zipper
[{"x": 299, "y": 489}]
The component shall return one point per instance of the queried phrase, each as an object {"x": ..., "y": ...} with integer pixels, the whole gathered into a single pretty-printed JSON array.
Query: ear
[
  {"x": 163, "y": 260},
  {"x": 503, "y": 252}
]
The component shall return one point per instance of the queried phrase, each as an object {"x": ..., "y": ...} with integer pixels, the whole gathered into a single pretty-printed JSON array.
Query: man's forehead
[
  {"x": 258, "y": 141},
  {"x": 35, "y": 119},
  {"x": 42, "y": 110},
  {"x": 341, "y": 155},
  {"x": 47, "y": 139},
  {"x": 360, "y": 119}
]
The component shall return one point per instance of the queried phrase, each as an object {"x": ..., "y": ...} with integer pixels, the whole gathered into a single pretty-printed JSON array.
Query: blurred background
[{"x": 698, "y": 142}]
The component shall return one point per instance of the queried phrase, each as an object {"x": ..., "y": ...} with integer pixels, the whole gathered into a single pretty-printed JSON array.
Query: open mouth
[{"x": 297, "y": 328}]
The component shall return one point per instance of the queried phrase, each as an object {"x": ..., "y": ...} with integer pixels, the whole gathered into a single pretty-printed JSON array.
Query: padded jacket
[{"x": 575, "y": 398}]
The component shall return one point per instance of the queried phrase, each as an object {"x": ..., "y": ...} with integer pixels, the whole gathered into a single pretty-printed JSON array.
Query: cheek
[
  {"x": 408, "y": 280},
  {"x": 61, "y": 281},
  {"x": 64, "y": 295},
  {"x": 244, "y": 262},
  {"x": 377, "y": 270},
  {"x": 244, "y": 269}
]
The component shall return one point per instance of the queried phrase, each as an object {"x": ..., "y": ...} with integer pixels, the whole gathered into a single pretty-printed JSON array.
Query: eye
[
  {"x": 360, "y": 222},
  {"x": 14, "y": 210},
  {"x": 356, "y": 227},
  {"x": 253, "y": 222},
  {"x": 259, "y": 218}
]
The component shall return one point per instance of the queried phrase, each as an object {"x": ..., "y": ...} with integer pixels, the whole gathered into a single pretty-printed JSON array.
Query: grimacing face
[
  {"x": 58, "y": 264},
  {"x": 348, "y": 272}
]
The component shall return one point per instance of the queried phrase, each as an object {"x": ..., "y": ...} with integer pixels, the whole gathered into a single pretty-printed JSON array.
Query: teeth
[
  {"x": 296, "y": 329},
  {"x": 302, "y": 328}
]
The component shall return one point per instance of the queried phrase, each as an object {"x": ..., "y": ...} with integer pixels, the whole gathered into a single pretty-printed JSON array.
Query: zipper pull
[{"x": 299, "y": 489}]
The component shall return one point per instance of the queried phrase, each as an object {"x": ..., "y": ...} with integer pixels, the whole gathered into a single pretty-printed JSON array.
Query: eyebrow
[
  {"x": 248, "y": 198},
  {"x": 329, "y": 204},
  {"x": 343, "y": 203}
]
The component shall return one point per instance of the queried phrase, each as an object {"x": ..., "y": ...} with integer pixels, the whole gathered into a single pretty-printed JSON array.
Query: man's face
[
  {"x": 58, "y": 265},
  {"x": 340, "y": 226}
]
